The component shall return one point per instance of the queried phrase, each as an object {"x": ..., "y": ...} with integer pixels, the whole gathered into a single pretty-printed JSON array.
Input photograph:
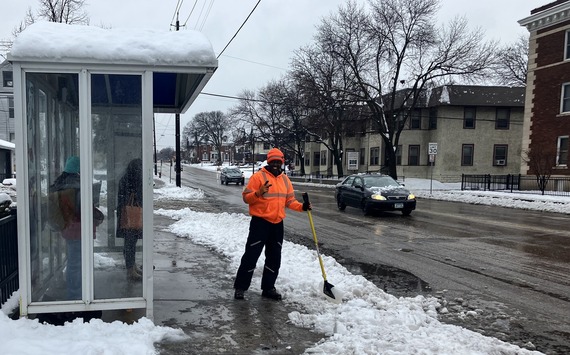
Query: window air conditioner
[{"x": 500, "y": 162}]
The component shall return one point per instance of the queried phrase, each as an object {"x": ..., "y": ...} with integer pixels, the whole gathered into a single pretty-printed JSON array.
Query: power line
[
  {"x": 280, "y": 103},
  {"x": 207, "y": 14},
  {"x": 190, "y": 14},
  {"x": 251, "y": 61},
  {"x": 240, "y": 27}
]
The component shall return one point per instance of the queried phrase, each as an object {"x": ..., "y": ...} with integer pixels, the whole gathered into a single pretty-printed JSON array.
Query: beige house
[{"x": 471, "y": 130}]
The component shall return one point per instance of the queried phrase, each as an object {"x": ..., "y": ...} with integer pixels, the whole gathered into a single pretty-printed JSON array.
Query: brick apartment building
[{"x": 546, "y": 126}]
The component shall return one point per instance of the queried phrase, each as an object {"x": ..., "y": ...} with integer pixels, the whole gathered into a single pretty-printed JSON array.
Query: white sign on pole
[{"x": 432, "y": 148}]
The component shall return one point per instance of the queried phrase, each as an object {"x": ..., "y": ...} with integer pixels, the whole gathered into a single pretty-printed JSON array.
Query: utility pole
[
  {"x": 154, "y": 134},
  {"x": 177, "y": 135}
]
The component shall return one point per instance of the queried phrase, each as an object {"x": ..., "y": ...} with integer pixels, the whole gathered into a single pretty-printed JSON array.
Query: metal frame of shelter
[{"x": 102, "y": 112}]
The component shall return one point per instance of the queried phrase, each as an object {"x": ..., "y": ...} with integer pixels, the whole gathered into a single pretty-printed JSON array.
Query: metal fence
[
  {"x": 554, "y": 186},
  {"x": 8, "y": 256}
]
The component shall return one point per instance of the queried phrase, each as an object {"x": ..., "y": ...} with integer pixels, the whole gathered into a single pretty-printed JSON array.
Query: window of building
[
  {"x": 8, "y": 79},
  {"x": 362, "y": 157},
  {"x": 432, "y": 118},
  {"x": 323, "y": 157},
  {"x": 565, "y": 104},
  {"x": 467, "y": 154},
  {"x": 502, "y": 118},
  {"x": 266, "y": 146},
  {"x": 316, "y": 158},
  {"x": 11, "y": 107},
  {"x": 416, "y": 119},
  {"x": 414, "y": 155},
  {"x": 500, "y": 154},
  {"x": 562, "y": 151},
  {"x": 469, "y": 117},
  {"x": 307, "y": 159},
  {"x": 375, "y": 156},
  {"x": 399, "y": 155}
]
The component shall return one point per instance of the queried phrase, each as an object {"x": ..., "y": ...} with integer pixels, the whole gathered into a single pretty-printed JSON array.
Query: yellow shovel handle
[{"x": 317, "y": 245}]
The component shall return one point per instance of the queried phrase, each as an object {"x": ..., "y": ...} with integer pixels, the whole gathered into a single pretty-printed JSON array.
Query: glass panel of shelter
[
  {"x": 52, "y": 120},
  {"x": 52, "y": 114},
  {"x": 116, "y": 119}
]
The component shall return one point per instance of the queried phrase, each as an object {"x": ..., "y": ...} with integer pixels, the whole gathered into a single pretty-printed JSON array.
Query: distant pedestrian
[
  {"x": 267, "y": 193},
  {"x": 130, "y": 193}
]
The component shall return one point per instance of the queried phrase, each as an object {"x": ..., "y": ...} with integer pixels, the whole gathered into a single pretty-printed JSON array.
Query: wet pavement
[{"x": 191, "y": 293}]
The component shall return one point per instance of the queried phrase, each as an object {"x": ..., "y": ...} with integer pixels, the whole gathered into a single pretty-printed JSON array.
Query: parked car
[
  {"x": 235, "y": 175},
  {"x": 374, "y": 192}
]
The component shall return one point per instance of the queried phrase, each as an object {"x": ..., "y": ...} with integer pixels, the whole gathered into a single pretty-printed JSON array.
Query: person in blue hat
[{"x": 67, "y": 186}]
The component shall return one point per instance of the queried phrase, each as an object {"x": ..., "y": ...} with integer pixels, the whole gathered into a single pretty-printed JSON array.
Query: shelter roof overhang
[{"x": 182, "y": 62}]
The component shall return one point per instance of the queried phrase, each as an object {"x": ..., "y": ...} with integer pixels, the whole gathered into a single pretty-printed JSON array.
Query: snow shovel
[{"x": 328, "y": 288}]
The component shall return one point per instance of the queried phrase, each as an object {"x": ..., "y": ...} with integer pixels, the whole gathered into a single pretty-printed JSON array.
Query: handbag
[{"x": 131, "y": 215}]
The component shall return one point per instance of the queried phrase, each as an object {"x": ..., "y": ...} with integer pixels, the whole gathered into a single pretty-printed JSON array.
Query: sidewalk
[{"x": 191, "y": 292}]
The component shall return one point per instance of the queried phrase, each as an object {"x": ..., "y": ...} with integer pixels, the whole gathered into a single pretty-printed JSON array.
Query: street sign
[{"x": 432, "y": 148}]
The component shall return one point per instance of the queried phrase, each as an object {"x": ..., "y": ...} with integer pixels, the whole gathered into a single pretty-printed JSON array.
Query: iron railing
[
  {"x": 554, "y": 186},
  {"x": 8, "y": 256}
]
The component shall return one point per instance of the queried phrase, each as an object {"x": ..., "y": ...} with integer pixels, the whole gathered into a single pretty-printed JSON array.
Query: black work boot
[
  {"x": 239, "y": 294},
  {"x": 272, "y": 293}
]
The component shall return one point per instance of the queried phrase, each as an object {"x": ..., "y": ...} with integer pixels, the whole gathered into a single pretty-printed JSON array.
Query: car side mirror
[{"x": 358, "y": 186}]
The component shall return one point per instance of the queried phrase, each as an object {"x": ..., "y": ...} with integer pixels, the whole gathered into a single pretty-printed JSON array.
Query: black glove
[{"x": 307, "y": 206}]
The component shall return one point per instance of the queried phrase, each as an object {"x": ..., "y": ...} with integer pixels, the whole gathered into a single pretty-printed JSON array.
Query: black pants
[
  {"x": 261, "y": 234},
  {"x": 130, "y": 250}
]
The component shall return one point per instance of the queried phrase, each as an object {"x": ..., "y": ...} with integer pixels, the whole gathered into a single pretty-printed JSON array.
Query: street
[{"x": 502, "y": 272}]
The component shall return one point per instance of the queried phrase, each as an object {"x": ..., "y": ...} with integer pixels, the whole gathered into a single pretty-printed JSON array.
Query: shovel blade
[{"x": 332, "y": 294}]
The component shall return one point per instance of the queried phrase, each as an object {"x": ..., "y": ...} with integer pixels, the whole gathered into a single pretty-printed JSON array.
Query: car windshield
[
  {"x": 233, "y": 171},
  {"x": 380, "y": 181}
]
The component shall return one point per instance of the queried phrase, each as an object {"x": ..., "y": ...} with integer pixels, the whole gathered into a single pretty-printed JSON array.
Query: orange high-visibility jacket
[{"x": 270, "y": 206}]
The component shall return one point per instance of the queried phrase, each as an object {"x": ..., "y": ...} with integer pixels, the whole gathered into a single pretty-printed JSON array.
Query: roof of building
[
  {"x": 471, "y": 95},
  {"x": 7, "y": 145},
  {"x": 467, "y": 95}
]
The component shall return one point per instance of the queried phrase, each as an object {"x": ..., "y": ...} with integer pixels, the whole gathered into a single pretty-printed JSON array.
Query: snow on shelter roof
[
  {"x": 56, "y": 42},
  {"x": 182, "y": 61}
]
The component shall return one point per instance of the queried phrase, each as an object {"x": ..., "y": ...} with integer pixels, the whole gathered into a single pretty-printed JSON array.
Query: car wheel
[
  {"x": 341, "y": 205},
  {"x": 406, "y": 212}
]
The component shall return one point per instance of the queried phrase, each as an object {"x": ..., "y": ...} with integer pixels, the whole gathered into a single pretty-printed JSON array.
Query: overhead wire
[
  {"x": 191, "y": 11},
  {"x": 240, "y": 27},
  {"x": 207, "y": 14},
  {"x": 200, "y": 15},
  {"x": 277, "y": 103},
  {"x": 251, "y": 61}
]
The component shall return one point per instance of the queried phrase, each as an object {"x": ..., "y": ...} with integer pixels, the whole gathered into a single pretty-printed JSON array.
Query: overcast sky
[{"x": 263, "y": 48}]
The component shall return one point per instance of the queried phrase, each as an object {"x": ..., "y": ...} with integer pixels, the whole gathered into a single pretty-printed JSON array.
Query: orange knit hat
[{"x": 275, "y": 154}]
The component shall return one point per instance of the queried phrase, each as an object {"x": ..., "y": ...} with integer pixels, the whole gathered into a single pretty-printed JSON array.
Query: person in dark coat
[{"x": 130, "y": 192}]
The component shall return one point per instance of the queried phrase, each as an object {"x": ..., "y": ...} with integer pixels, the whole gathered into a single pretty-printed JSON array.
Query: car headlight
[
  {"x": 411, "y": 197},
  {"x": 378, "y": 197}
]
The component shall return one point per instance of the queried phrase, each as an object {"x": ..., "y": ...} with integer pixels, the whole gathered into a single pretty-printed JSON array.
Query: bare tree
[
  {"x": 62, "y": 11},
  {"x": 541, "y": 163},
  {"x": 396, "y": 43},
  {"x": 512, "y": 63},
  {"x": 326, "y": 86},
  {"x": 211, "y": 128}
]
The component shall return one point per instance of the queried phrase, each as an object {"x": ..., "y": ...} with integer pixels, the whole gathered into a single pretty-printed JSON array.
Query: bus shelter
[{"x": 84, "y": 104}]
